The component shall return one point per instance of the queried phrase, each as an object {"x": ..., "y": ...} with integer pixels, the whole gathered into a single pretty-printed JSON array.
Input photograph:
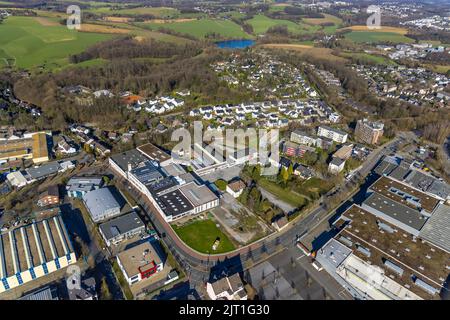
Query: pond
[{"x": 235, "y": 44}]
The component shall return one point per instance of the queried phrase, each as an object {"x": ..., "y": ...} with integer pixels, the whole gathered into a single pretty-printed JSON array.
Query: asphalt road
[{"x": 201, "y": 267}]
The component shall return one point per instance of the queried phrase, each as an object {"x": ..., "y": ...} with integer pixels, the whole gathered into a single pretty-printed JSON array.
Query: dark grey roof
[
  {"x": 162, "y": 185},
  {"x": 147, "y": 173},
  {"x": 437, "y": 228},
  {"x": 83, "y": 183},
  {"x": 133, "y": 157},
  {"x": 121, "y": 225},
  {"x": 174, "y": 203},
  {"x": 428, "y": 183},
  {"x": 337, "y": 161},
  {"x": 44, "y": 170},
  {"x": 396, "y": 211},
  {"x": 46, "y": 293}
]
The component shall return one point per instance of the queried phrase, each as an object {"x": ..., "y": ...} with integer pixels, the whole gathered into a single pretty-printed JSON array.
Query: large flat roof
[
  {"x": 198, "y": 194},
  {"x": 402, "y": 193},
  {"x": 139, "y": 258},
  {"x": 121, "y": 225},
  {"x": 428, "y": 184},
  {"x": 100, "y": 200},
  {"x": 396, "y": 211},
  {"x": 414, "y": 256},
  {"x": 44, "y": 170},
  {"x": 133, "y": 157},
  {"x": 174, "y": 203},
  {"x": 147, "y": 173},
  {"x": 40, "y": 149},
  {"x": 437, "y": 228},
  {"x": 153, "y": 152}
]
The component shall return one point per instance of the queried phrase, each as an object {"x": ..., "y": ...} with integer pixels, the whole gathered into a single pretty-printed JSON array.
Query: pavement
[{"x": 201, "y": 267}]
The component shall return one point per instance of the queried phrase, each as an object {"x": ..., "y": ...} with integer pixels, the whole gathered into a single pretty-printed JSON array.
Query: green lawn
[
  {"x": 200, "y": 28},
  {"x": 369, "y": 57},
  {"x": 159, "y": 12},
  {"x": 284, "y": 194},
  {"x": 375, "y": 37},
  {"x": 201, "y": 234},
  {"x": 261, "y": 24},
  {"x": 33, "y": 44}
]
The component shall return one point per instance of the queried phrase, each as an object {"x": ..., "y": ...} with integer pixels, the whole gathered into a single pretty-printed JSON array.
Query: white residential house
[{"x": 228, "y": 288}]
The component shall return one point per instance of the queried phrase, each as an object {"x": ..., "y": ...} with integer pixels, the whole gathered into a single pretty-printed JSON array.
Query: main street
[{"x": 200, "y": 267}]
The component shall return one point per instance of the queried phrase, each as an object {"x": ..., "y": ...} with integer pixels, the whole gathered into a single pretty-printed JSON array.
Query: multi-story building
[
  {"x": 369, "y": 132},
  {"x": 140, "y": 262},
  {"x": 293, "y": 149},
  {"x": 301, "y": 137},
  {"x": 333, "y": 134},
  {"x": 336, "y": 165}
]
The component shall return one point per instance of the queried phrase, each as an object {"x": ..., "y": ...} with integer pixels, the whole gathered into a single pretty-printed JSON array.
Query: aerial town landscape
[{"x": 224, "y": 150}]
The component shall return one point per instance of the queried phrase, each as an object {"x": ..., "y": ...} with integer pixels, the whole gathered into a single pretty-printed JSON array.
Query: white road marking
[{"x": 301, "y": 257}]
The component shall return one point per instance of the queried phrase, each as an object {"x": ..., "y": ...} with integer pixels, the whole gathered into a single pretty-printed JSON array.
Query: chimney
[{"x": 129, "y": 167}]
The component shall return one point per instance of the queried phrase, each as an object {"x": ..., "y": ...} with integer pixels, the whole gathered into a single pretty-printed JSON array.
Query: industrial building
[
  {"x": 116, "y": 230},
  {"x": 200, "y": 196},
  {"x": 33, "y": 251},
  {"x": 31, "y": 146},
  {"x": 156, "y": 154},
  {"x": 121, "y": 162},
  {"x": 77, "y": 187},
  {"x": 102, "y": 204},
  {"x": 376, "y": 259}
]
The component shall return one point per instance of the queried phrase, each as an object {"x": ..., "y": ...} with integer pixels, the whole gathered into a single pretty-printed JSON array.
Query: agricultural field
[
  {"x": 368, "y": 57},
  {"x": 361, "y": 34},
  {"x": 201, "y": 234},
  {"x": 201, "y": 28},
  {"x": 305, "y": 49},
  {"x": 327, "y": 19},
  {"x": 27, "y": 43},
  {"x": 160, "y": 12},
  {"x": 261, "y": 24}
]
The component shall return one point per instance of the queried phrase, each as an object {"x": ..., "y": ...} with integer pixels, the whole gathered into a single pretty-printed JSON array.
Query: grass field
[
  {"x": 33, "y": 44},
  {"x": 283, "y": 194},
  {"x": 201, "y": 234},
  {"x": 261, "y": 24},
  {"x": 376, "y": 37},
  {"x": 160, "y": 12},
  {"x": 368, "y": 57},
  {"x": 304, "y": 49},
  {"x": 200, "y": 28},
  {"x": 328, "y": 18},
  {"x": 397, "y": 30}
]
